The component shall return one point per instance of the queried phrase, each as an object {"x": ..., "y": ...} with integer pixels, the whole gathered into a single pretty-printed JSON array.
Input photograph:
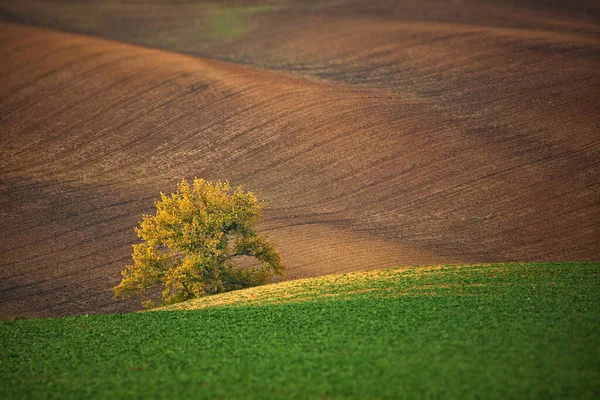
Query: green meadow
[{"x": 527, "y": 330}]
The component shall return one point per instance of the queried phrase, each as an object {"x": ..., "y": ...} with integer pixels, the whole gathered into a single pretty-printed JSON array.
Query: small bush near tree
[{"x": 197, "y": 244}]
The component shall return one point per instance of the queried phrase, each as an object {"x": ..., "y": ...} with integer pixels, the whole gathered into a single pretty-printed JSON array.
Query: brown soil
[{"x": 381, "y": 135}]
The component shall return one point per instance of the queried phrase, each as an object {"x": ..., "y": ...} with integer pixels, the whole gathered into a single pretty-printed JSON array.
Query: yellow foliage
[{"x": 191, "y": 244}]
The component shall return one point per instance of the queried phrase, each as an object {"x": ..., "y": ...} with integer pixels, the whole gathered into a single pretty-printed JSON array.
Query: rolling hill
[{"x": 381, "y": 135}]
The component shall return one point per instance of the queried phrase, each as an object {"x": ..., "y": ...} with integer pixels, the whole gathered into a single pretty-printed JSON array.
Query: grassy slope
[{"x": 496, "y": 331}]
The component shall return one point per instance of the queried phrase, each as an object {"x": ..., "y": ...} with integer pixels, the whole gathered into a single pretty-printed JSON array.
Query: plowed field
[{"x": 381, "y": 135}]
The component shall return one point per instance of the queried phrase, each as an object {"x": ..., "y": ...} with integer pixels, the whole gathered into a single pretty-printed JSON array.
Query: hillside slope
[
  {"x": 435, "y": 154},
  {"x": 526, "y": 330}
]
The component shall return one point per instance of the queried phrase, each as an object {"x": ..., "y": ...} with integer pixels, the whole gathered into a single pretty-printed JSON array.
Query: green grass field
[{"x": 461, "y": 332}]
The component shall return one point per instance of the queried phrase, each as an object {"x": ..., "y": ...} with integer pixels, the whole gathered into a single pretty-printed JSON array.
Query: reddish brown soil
[{"x": 379, "y": 138}]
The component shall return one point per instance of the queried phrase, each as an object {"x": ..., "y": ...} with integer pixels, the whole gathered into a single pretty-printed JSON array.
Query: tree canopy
[{"x": 200, "y": 242}]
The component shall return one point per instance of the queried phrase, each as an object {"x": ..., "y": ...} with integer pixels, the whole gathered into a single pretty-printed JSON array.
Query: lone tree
[{"x": 197, "y": 244}]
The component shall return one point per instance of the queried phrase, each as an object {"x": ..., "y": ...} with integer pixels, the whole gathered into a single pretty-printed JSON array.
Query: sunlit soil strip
[{"x": 413, "y": 281}]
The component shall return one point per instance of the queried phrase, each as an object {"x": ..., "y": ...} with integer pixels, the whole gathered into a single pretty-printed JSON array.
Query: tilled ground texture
[{"x": 381, "y": 134}]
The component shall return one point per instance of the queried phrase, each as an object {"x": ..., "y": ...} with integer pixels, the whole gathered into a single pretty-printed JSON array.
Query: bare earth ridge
[{"x": 379, "y": 138}]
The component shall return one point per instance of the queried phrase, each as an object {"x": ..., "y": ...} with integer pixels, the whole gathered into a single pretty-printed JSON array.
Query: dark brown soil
[{"x": 387, "y": 134}]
